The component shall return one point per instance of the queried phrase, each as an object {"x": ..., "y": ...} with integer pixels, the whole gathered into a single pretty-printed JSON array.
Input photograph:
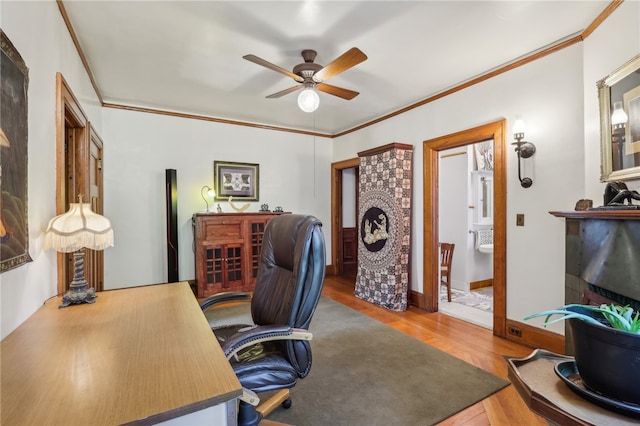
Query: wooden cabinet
[{"x": 227, "y": 250}]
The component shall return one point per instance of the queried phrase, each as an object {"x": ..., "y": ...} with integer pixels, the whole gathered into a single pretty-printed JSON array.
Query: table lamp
[{"x": 73, "y": 231}]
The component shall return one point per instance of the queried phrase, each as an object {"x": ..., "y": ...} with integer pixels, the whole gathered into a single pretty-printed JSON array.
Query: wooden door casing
[{"x": 79, "y": 171}]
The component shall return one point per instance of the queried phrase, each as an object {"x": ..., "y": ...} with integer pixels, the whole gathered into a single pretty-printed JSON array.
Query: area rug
[
  {"x": 479, "y": 299},
  {"x": 367, "y": 373}
]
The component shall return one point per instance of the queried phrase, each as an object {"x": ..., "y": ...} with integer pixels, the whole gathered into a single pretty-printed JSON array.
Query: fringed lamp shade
[
  {"x": 79, "y": 228},
  {"x": 73, "y": 231}
]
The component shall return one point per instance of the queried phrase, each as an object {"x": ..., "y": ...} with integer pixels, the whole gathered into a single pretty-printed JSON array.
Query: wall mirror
[{"x": 619, "y": 97}]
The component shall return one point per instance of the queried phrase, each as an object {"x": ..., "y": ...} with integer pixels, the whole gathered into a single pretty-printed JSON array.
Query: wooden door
[
  {"x": 233, "y": 261},
  {"x": 349, "y": 250},
  {"x": 72, "y": 132},
  {"x": 94, "y": 260}
]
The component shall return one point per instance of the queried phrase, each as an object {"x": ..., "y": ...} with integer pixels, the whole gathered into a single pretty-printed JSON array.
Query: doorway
[
  {"x": 78, "y": 172},
  {"x": 466, "y": 223},
  {"x": 344, "y": 242},
  {"x": 431, "y": 149}
]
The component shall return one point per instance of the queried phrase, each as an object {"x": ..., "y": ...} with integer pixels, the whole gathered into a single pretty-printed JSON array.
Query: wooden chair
[{"x": 446, "y": 257}]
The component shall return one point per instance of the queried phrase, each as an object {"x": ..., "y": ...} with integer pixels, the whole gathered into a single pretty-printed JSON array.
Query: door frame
[
  {"x": 70, "y": 119},
  {"x": 74, "y": 135},
  {"x": 336, "y": 212},
  {"x": 495, "y": 131}
]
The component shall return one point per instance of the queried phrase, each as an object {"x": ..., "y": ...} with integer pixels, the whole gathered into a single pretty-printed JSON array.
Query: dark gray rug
[{"x": 366, "y": 373}]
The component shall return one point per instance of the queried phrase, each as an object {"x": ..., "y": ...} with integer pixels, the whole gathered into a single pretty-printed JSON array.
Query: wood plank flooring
[{"x": 473, "y": 344}]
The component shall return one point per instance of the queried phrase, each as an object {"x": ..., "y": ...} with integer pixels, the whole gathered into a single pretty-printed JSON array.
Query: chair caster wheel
[{"x": 286, "y": 403}]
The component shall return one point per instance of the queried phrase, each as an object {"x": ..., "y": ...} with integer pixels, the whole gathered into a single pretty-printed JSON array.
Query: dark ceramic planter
[{"x": 607, "y": 359}]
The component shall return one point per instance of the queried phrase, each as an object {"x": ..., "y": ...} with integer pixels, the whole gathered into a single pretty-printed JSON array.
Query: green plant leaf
[{"x": 618, "y": 317}]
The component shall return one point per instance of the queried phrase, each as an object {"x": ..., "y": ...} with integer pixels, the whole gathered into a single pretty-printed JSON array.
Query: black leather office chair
[{"x": 274, "y": 352}]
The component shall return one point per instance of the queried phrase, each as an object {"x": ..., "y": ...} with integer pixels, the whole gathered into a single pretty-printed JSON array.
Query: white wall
[
  {"x": 294, "y": 173},
  {"x": 37, "y": 31},
  {"x": 612, "y": 44},
  {"x": 548, "y": 94}
]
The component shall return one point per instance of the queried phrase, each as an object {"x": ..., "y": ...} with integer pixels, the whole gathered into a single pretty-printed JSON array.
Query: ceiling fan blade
[
  {"x": 337, "y": 91},
  {"x": 260, "y": 61},
  {"x": 342, "y": 63},
  {"x": 285, "y": 92}
]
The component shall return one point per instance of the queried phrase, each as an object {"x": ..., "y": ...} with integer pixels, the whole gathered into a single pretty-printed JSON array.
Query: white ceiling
[{"x": 186, "y": 56}]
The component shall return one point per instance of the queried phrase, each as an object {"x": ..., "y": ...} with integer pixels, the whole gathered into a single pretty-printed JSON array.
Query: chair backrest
[
  {"x": 446, "y": 258},
  {"x": 290, "y": 279}
]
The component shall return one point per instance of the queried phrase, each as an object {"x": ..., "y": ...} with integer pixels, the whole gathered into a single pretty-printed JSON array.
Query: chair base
[
  {"x": 248, "y": 415},
  {"x": 274, "y": 402}
]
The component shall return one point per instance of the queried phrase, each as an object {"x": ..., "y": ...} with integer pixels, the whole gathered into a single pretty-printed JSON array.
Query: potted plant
[{"x": 606, "y": 346}]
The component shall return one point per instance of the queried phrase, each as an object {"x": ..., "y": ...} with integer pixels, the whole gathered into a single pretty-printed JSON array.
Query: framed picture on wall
[
  {"x": 237, "y": 180},
  {"x": 632, "y": 105},
  {"x": 619, "y": 96},
  {"x": 14, "y": 219}
]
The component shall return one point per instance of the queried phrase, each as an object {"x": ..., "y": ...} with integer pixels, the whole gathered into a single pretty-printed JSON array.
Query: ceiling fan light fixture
[{"x": 308, "y": 99}]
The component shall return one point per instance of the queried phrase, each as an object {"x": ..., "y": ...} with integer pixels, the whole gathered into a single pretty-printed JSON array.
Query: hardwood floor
[{"x": 473, "y": 344}]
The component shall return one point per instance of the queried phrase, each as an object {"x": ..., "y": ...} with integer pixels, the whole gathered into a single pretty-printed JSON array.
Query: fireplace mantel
[{"x": 622, "y": 214}]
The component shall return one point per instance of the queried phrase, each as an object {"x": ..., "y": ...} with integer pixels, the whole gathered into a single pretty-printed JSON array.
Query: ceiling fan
[{"x": 312, "y": 76}]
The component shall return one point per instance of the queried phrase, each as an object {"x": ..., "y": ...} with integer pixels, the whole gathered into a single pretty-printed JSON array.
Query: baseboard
[
  {"x": 522, "y": 333},
  {"x": 474, "y": 285},
  {"x": 331, "y": 270},
  {"x": 534, "y": 337},
  {"x": 416, "y": 299}
]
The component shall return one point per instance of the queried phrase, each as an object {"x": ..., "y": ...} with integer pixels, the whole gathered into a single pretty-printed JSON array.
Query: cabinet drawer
[{"x": 222, "y": 230}]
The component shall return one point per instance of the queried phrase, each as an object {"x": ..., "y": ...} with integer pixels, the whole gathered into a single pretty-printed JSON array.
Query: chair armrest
[
  {"x": 224, "y": 297},
  {"x": 262, "y": 333},
  {"x": 250, "y": 397}
]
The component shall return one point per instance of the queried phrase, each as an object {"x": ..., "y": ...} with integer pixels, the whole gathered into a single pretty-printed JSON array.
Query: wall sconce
[
  {"x": 308, "y": 99},
  {"x": 210, "y": 193},
  {"x": 524, "y": 149}
]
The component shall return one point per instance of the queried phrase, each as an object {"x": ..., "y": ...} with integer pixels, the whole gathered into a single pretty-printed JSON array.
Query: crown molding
[{"x": 476, "y": 80}]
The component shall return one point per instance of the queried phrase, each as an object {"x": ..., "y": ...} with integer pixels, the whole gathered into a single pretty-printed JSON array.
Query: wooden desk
[{"x": 142, "y": 355}]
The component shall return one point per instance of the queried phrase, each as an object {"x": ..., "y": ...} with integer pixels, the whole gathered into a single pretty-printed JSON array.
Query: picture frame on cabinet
[
  {"x": 619, "y": 98},
  {"x": 238, "y": 180}
]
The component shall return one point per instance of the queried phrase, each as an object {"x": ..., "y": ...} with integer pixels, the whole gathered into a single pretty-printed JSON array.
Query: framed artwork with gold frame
[
  {"x": 14, "y": 218},
  {"x": 619, "y": 97}
]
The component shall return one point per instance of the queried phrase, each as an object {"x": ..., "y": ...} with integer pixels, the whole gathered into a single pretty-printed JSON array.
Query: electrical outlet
[
  {"x": 520, "y": 219},
  {"x": 515, "y": 331}
]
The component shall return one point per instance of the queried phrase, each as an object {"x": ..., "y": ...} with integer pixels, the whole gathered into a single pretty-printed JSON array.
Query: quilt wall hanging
[
  {"x": 384, "y": 220},
  {"x": 14, "y": 82}
]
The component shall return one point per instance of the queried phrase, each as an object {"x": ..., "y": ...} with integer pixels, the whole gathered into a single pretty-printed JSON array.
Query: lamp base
[
  {"x": 78, "y": 289},
  {"x": 76, "y": 296}
]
